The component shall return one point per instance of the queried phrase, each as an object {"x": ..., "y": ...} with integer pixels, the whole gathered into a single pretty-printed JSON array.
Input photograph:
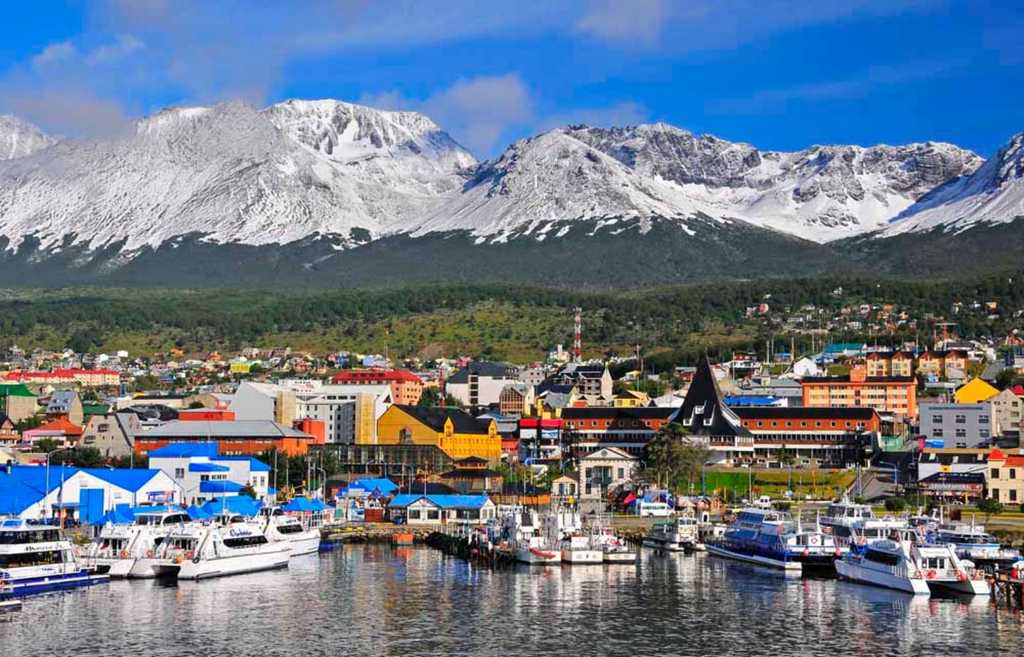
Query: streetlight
[{"x": 46, "y": 490}]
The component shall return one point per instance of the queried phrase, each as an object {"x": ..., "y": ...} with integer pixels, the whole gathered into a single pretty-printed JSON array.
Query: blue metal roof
[
  {"x": 221, "y": 486},
  {"x": 129, "y": 479},
  {"x": 255, "y": 465},
  {"x": 184, "y": 450},
  {"x": 207, "y": 467},
  {"x": 240, "y": 504},
  {"x": 442, "y": 501},
  {"x": 750, "y": 400},
  {"x": 300, "y": 504},
  {"x": 385, "y": 486}
]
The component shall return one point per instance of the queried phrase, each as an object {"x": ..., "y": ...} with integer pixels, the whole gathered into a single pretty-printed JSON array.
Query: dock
[{"x": 1007, "y": 590}]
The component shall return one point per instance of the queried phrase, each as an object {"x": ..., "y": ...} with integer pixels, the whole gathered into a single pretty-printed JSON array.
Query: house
[
  {"x": 933, "y": 461},
  {"x": 480, "y": 383},
  {"x": 942, "y": 364},
  {"x": 241, "y": 437},
  {"x": 564, "y": 490},
  {"x": 204, "y": 474},
  {"x": 61, "y": 430},
  {"x": 885, "y": 394},
  {"x": 516, "y": 399},
  {"x": 592, "y": 382},
  {"x": 956, "y": 425},
  {"x": 1007, "y": 412},
  {"x": 8, "y": 432},
  {"x": 406, "y": 387},
  {"x": 1005, "y": 477},
  {"x": 631, "y": 399},
  {"x": 17, "y": 402},
  {"x": 974, "y": 391},
  {"x": 604, "y": 470},
  {"x": 65, "y": 403},
  {"x": 885, "y": 363},
  {"x": 453, "y": 431},
  {"x": 419, "y": 509},
  {"x": 112, "y": 434},
  {"x": 471, "y": 475}
]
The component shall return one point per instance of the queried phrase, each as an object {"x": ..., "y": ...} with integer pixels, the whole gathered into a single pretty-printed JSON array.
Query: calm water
[{"x": 380, "y": 601}]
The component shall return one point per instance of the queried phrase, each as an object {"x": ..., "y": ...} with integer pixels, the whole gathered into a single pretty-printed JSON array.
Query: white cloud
[
  {"x": 620, "y": 114},
  {"x": 69, "y": 112},
  {"x": 478, "y": 111},
  {"x": 627, "y": 21},
  {"x": 125, "y": 45},
  {"x": 55, "y": 53}
]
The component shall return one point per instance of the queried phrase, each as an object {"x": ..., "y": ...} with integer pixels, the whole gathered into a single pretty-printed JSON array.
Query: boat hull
[
  {"x": 47, "y": 584},
  {"x": 192, "y": 569},
  {"x": 619, "y": 557},
  {"x": 305, "y": 545},
  {"x": 538, "y": 557},
  {"x": 966, "y": 587},
  {"x": 854, "y": 572},
  {"x": 668, "y": 546},
  {"x": 794, "y": 567},
  {"x": 582, "y": 557}
]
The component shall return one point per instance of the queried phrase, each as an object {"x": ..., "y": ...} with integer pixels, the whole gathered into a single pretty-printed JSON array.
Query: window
[
  {"x": 1013, "y": 473},
  {"x": 961, "y": 433},
  {"x": 622, "y": 473},
  {"x": 961, "y": 419},
  {"x": 937, "y": 419},
  {"x": 179, "y": 473},
  {"x": 1013, "y": 494},
  {"x": 983, "y": 433},
  {"x": 432, "y": 514},
  {"x": 414, "y": 514},
  {"x": 936, "y": 433},
  {"x": 995, "y": 473},
  {"x": 982, "y": 419}
]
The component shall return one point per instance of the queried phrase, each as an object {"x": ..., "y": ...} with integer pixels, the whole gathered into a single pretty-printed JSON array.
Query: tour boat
[
  {"x": 673, "y": 534},
  {"x": 972, "y": 542},
  {"x": 764, "y": 537},
  {"x": 204, "y": 551},
  {"x": 37, "y": 559},
  {"x": 531, "y": 542},
  {"x": 130, "y": 550},
  {"x": 278, "y": 526},
  {"x": 905, "y": 565},
  {"x": 845, "y": 520}
]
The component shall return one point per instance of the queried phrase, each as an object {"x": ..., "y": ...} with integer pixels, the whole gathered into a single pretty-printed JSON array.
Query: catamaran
[
  {"x": 972, "y": 542},
  {"x": 37, "y": 559},
  {"x": 847, "y": 521},
  {"x": 903, "y": 564},
  {"x": 204, "y": 551},
  {"x": 673, "y": 535},
  {"x": 765, "y": 537},
  {"x": 129, "y": 550},
  {"x": 278, "y": 526}
]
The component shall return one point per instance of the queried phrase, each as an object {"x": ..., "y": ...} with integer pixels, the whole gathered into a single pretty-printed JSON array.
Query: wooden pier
[
  {"x": 467, "y": 547},
  {"x": 1007, "y": 590},
  {"x": 373, "y": 533}
]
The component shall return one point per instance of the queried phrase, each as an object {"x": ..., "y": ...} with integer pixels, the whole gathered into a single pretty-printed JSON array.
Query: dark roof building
[
  {"x": 703, "y": 412},
  {"x": 434, "y": 417}
]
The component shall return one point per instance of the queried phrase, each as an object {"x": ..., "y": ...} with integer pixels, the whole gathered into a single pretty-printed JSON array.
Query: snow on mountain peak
[{"x": 19, "y": 138}]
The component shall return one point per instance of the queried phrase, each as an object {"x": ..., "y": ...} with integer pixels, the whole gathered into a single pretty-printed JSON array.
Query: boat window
[
  {"x": 245, "y": 541},
  {"x": 35, "y": 536},
  {"x": 290, "y": 529},
  {"x": 882, "y": 557},
  {"x": 28, "y": 559}
]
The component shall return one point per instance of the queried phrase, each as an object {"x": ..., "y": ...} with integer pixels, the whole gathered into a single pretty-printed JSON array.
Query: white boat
[
  {"x": 972, "y": 542},
  {"x": 845, "y": 520},
  {"x": 533, "y": 543},
  {"x": 579, "y": 549},
  {"x": 278, "y": 526},
  {"x": 904, "y": 565},
  {"x": 130, "y": 550},
  {"x": 205, "y": 551},
  {"x": 613, "y": 549},
  {"x": 36, "y": 559},
  {"x": 673, "y": 534}
]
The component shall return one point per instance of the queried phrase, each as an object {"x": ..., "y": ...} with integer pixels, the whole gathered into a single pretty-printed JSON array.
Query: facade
[
  {"x": 832, "y": 437},
  {"x": 65, "y": 403},
  {"x": 628, "y": 429},
  {"x": 471, "y": 475},
  {"x": 896, "y": 395},
  {"x": 204, "y": 474},
  {"x": 264, "y": 402},
  {"x": 1007, "y": 411},
  {"x": 956, "y": 425},
  {"x": 8, "y": 432},
  {"x": 709, "y": 420},
  {"x": 975, "y": 391},
  {"x": 888, "y": 363},
  {"x": 592, "y": 382},
  {"x": 516, "y": 399},
  {"x": 453, "y": 431},
  {"x": 17, "y": 401},
  {"x": 242, "y": 437},
  {"x": 481, "y": 383},
  {"x": 604, "y": 470},
  {"x": 440, "y": 509},
  {"x": 957, "y": 461},
  {"x": 1005, "y": 477},
  {"x": 112, "y": 434},
  {"x": 67, "y": 376},
  {"x": 406, "y": 387},
  {"x": 349, "y": 411},
  {"x": 943, "y": 364}
]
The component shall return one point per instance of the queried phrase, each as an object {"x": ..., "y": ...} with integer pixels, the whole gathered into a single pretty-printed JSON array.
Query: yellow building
[
  {"x": 455, "y": 432},
  {"x": 974, "y": 391},
  {"x": 631, "y": 399}
]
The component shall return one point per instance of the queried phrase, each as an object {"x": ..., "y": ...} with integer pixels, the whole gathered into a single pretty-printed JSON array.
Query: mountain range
[{"x": 331, "y": 193}]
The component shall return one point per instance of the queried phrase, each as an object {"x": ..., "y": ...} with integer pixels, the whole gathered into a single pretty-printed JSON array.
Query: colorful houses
[
  {"x": 1005, "y": 477},
  {"x": 406, "y": 387},
  {"x": 886, "y": 394}
]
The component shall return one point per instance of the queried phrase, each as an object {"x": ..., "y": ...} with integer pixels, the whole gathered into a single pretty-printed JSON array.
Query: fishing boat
[
  {"x": 129, "y": 550},
  {"x": 905, "y": 565},
  {"x": 278, "y": 526},
  {"x": 578, "y": 548},
  {"x": 673, "y": 534},
  {"x": 613, "y": 549},
  {"x": 531, "y": 542},
  {"x": 36, "y": 559},
  {"x": 769, "y": 538},
  {"x": 214, "y": 550}
]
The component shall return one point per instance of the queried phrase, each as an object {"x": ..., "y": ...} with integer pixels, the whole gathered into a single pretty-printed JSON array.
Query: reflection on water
[{"x": 376, "y": 600}]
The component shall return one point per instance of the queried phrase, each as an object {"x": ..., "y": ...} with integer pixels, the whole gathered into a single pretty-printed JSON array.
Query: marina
[{"x": 376, "y": 599}]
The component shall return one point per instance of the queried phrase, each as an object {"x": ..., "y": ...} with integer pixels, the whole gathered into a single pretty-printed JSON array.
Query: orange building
[
  {"x": 885, "y": 394},
  {"x": 205, "y": 415},
  {"x": 942, "y": 363},
  {"x": 250, "y": 437},
  {"x": 880, "y": 363},
  {"x": 406, "y": 387}
]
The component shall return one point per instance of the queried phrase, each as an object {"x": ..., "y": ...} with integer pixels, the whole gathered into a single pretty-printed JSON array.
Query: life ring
[
  {"x": 178, "y": 559},
  {"x": 930, "y": 574},
  {"x": 124, "y": 554},
  {"x": 961, "y": 575},
  {"x": 815, "y": 539},
  {"x": 150, "y": 554},
  {"x": 190, "y": 554}
]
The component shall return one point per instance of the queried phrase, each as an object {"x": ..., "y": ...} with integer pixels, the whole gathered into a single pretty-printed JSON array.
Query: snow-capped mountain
[
  {"x": 19, "y": 138},
  {"x": 233, "y": 174},
  {"x": 994, "y": 194}
]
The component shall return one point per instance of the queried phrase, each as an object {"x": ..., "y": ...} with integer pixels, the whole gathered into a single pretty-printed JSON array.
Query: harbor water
[{"x": 379, "y": 600}]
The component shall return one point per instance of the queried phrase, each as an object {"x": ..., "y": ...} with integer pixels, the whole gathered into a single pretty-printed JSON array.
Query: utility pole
[{"x": 577, "y": 344}]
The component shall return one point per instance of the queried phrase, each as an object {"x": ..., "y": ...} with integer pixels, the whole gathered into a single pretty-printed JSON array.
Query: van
[
  {"x": 653, "y": 509},
  {"x": 763, "y": 502}
]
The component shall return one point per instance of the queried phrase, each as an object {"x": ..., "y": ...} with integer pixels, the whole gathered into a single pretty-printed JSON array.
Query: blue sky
[{"x": 778, "y": 74}]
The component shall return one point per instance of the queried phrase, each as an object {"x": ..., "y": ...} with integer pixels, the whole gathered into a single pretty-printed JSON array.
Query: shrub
[{"x": 895, "y": 504}]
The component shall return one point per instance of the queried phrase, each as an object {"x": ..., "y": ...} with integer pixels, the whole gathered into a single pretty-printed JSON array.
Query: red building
[
  {"x": 250, "y": 437},
  {"x": 406, "y": 387},
  {"x": 630, "y": 429}
]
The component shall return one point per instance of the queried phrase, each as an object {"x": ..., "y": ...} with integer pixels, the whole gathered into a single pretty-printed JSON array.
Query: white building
[
  {"x": 203, "y": 474},
  {"x": 480, "y": 383}
]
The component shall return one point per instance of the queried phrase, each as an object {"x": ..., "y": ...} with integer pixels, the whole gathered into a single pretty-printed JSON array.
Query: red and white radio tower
[{"x": 577, "y": 342}]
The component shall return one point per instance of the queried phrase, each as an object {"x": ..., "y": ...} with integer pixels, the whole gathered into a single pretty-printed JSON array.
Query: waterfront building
[
  {"x": 604, "y": 470},
  {"x": 429, "y": 509},
  {"x": 1005, "y": 477},
  {"x": 894, "y": 394},
  {"x": 241, "y": 437},
  {"x": 831, "y": 437},
  {"x": 203, "y": 473},
  {"x": 453, "y": 431},
  {"x": 706, "y": 417},
  {"x": 596, "y": 427}
]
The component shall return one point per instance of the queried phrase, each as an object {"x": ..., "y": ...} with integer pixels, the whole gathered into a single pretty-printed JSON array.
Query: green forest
[{"x": 515, "y": 322}]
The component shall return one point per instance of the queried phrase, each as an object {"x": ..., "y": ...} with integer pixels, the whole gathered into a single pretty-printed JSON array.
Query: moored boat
[
  {"x": 279, "y": 526},
  {"x": 201, "y": 552},
  {"x": 769, "y": 538},
  {"x": 37, "y": 559},
  {"x": 673, "y": 534}
]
